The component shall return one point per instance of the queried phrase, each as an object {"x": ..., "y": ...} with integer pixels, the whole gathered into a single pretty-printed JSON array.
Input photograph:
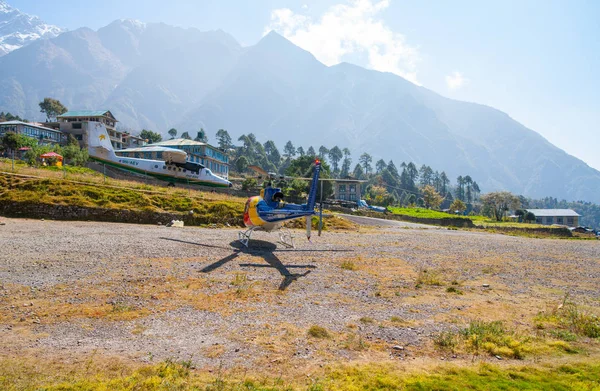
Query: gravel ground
[{"x": 150, "y": 293}]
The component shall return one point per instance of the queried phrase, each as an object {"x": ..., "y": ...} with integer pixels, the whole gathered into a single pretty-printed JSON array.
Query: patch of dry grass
[
  {"x": 318, "y": 332},
  {"x": 567, "y": 319}
]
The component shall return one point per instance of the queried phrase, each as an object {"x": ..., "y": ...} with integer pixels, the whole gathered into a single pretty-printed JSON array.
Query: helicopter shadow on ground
[{"x": 265, "y": 250}]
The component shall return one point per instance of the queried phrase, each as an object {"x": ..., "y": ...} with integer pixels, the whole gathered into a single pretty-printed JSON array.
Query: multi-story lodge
[
  {"x": 198, "y": 152},
  {"x": 76, "y": 123},
  {"x": 131, "y": 141},
  {"x": 44, "y": 135}
]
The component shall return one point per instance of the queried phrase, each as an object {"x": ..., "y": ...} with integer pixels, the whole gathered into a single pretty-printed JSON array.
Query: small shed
[
  {"x": 52, "y": 155},
  {"x": 566, "y": 217}
]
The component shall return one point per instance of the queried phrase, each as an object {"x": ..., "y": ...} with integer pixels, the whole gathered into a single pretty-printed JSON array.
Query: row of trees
[
  {"x": 385, "y": 184},
  {"x": 9, "y": 117}
]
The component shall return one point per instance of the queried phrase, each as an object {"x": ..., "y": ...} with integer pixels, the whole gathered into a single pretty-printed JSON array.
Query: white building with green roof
[{"x": 75, "y": 123}]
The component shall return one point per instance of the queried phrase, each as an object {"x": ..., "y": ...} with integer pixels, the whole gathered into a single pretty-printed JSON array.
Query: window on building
[
  {"x": 352, "y": 188},
  {"x": 559, "y": 220},
  {"x": 570, "y": 221},
  {"x": 342, "y": 188},
  {"x": 352, "y": 197},
  {"x": 77, "y": 125}
]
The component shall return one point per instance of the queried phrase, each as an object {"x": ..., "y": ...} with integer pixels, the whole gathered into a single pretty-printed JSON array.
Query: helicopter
[{"x": 267, "y": 212}]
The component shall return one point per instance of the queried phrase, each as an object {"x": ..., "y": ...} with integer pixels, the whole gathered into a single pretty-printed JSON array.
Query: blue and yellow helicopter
[{"x": 268, "y": 212}]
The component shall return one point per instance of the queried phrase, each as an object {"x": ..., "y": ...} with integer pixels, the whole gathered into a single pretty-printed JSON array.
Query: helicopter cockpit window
[{"x": 278, "y": 197}]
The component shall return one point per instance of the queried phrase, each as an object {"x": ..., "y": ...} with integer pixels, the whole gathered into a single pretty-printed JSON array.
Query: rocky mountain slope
[
  {"x": 18, "y": 29},
  {"x": 157, "y": 76}
]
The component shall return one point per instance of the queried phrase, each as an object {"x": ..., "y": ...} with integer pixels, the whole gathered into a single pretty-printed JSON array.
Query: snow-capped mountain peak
[{"x": 18, "y": 29}]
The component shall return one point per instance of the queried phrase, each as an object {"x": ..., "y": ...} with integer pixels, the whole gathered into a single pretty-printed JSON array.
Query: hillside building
[
  {"x": 44, "y": 135},
  {"x": 76, "y": 123},
  {"x": 347, "y": 190},
  {"x": 198, "y": 152},
  {"x": 131, "y": 141},
  {"x": 566, "y": 217}
]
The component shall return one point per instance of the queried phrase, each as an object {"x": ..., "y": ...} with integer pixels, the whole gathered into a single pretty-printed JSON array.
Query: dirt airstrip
[{"x": 150, "y": 293}]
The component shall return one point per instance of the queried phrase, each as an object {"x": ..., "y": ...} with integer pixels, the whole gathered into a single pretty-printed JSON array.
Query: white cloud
[
  {"x": 456, "y": 80},
  {"x": 346, "y": 29}
]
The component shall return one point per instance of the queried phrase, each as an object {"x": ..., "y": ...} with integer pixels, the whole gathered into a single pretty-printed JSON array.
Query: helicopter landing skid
[
  {"x": 244, "y": 236},
  {"x": 286, "y": 238}
]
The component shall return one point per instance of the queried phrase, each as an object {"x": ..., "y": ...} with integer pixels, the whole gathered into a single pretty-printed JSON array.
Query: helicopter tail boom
[{"x": 312, "y": 194}]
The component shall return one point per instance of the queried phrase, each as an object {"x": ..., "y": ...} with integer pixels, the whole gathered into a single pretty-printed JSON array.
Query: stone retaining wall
[{"x": 554, "y": 231}]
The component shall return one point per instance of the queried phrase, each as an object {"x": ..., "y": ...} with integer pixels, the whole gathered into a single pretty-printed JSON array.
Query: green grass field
[
  {"x": 424, "y": 213},
  {"x": 180, "y": 376}
]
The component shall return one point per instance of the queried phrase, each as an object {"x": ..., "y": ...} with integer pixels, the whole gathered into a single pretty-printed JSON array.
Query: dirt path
[
  {"x": 375, "y": 222},
  {"x": 149, "y": 293}
]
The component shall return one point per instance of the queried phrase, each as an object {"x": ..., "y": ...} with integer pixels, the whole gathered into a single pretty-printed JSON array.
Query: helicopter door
[{"x": 247, "y": 221}]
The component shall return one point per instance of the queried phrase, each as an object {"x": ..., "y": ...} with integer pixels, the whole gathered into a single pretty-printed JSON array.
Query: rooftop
[
  {"x": 553, "y": 212},
  {"x": 28, "y": 124},
  {"x": 180, "y": 142},
  {"x": 87, "y": 113},
  {"x": 151, "y": 148}
]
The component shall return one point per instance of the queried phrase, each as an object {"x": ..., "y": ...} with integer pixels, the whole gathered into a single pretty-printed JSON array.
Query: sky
[{"x": 536, "y": 60}]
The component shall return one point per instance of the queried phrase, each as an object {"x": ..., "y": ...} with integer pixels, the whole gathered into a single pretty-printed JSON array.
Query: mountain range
[
  {"x": 156, "y": 76},
  {"x": 18, "y": 29}
]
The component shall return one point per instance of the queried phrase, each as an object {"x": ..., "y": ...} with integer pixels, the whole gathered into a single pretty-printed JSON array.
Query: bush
[
  {"x": 452, "y": 289},
  {"x": 318, "y": 332},
  {"x": 428, "y": 277},
  {"x": 249, "y": 183},
  {"x": 488, "y": 337},
  {"x": 348, "y": 265}
]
